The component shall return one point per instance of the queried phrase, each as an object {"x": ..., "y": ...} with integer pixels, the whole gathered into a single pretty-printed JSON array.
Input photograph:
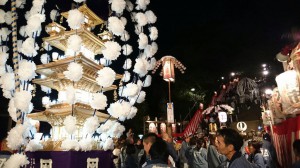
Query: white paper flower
[
  {"x": 22, "y": 100},
  {"x": 153, "y": 33},
  {"x": 98, "y": 101},
  {"x": 116, "y": 130},
  {"x": 8, "y": 17},
  {"x": 132, "y": 113},
  {"x": 148, "y": 80},
  {"x": 129, "y": 6},
  {"x": 142, "y": 4},
  {"x": 74, "y": 72},
  {"x": 108, "y": 144},
  {"x": 3, "y": 2},
  {"x": 126, "y": 76},
  {"x": 45, "y": 58},
  {"x": 29, "y": 47},
  {"x": 105, "y": 127},
  {"x": 152, "y": 64},
  {"x": 125, "y": 36},
  {"x": 3, "y": 58},
  {"x": 12, "y": 110},
  {"x": 16, "y": 160},
  {"x": 127, "y": 64},
  {"x": 141, "y": 19},
  {"x": 86, "y": 144},
  {"x": 4, "y": 33},
  {"x": 2, "y": 14},
  {"x": 124, "y": 21},
  {"x": 33, "y": 146},
  {"x": 34, "y": 23},
  {"x": 150, "y": 17},
  {"x": 143, "y": 41},
  {"x": 127, "y": 49},
  {"x": 119, "y": 110},
  {"x": 112, "y": 50},
  {"x": 106, "y": 77},
  {"x": 46, "y": 89},
  {"x": 26, "y": 70},
  {"x": 90, "y": 125},
  {"x": 116, "y": 26},
  {"x": 15, "y": 137},
  {"x": 70, "y": 144},
  {"x": 7, "y": 81},
  {"x": 70, "y": 124},
  {"x": 131, "y": 89},
  {"x": 141, "y": 66},
  {"x": 117, "y": 5},
  {"x": 74, "y": 43},
  {"x": 53, "y": 14},
  {"x": 75, "y": 19}
]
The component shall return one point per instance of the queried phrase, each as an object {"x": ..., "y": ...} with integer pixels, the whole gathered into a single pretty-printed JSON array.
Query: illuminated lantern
[
  {"x": 168, "y": 68},
  {"x": 222, "y": 117},
  {"x": 173, "y": 128},
  {"x": 163, "y": 127},
  {"x": 152, "y": 128}
]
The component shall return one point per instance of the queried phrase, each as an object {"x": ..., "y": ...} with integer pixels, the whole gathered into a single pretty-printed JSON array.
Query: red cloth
[
  {"x": 193, "y": 125},
  {"x": 284, "y": 134}
]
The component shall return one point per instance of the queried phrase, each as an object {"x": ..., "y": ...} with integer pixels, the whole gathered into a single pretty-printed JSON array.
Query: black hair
[
  {"x": 159, "y": 151},
  {"x": 150, "y": 137},
  {"x": 130, "y": 149},
  {"x": 296, "y": 147},
  {"x": 266, "y": 137},
  {"x": 193, "y": 141},
  {"x": 256, "y": 145},
  {"x": 231, "y": 137}
]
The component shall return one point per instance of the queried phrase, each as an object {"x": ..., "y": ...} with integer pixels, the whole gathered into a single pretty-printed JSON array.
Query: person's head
[
  {"x": 159, "y": 151},
  {"x": 165, "y": 136},
  {"x": 267, "y": 137},
  {"x": 130, "y": 149},
  {"x": 193, "y": 141},
  {"x": 228, "y": 141},
  {"x": 148, "y": 140},
  {"x": 212, "y": 139},
  {"x": 201, "y": 143},
  {"x": 187, "y": 138},
  {"x": 254, "y": 147},
  {"x": 296, "y": 147}
]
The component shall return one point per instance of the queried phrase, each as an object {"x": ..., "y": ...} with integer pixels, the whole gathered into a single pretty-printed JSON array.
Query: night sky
[{"x": 214, "y": 38}]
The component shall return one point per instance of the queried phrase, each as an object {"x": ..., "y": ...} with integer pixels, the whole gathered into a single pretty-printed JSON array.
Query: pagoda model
[{"x": 54, "y": 77}]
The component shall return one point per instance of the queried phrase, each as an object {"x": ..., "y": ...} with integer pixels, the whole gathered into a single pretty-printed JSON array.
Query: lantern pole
[{"x": 169, "y": 83}]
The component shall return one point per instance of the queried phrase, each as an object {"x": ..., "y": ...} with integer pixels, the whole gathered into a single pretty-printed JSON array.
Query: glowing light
[
  {"x": 193, "y": 89},
  {"x": 232, "y": 74},
  {"x": 222, "y": 78},
  {"x": 264, "y": 65},
  {"x": 265, "y": 72},
  {"x": 268, "y": 91}
]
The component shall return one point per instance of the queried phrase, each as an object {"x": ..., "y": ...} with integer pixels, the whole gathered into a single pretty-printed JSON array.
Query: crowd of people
[{"x": 225, "y": 149}]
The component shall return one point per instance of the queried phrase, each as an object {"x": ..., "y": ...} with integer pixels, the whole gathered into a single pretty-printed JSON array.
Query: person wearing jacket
[{"x": 255, "y": 157}]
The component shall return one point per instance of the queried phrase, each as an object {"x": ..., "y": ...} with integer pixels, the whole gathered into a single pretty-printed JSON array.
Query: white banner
[{"x": 170, "y": 112}]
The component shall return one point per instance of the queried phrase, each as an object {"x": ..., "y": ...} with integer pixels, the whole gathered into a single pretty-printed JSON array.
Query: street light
[{"x": 168, "y": 63}]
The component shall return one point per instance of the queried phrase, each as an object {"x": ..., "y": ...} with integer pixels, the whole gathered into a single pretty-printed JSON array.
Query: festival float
[{"x": 89, "y": 63}]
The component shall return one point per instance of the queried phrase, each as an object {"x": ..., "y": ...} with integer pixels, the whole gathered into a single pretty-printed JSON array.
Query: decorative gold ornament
[{"x": 54, "y": 29}]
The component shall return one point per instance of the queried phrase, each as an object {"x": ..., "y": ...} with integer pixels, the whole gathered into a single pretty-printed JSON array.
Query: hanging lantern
[
  {"x": 54, "y": 29},
  {"x": 168, "y": 68},
  {"x": 222, "y": 117}
]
